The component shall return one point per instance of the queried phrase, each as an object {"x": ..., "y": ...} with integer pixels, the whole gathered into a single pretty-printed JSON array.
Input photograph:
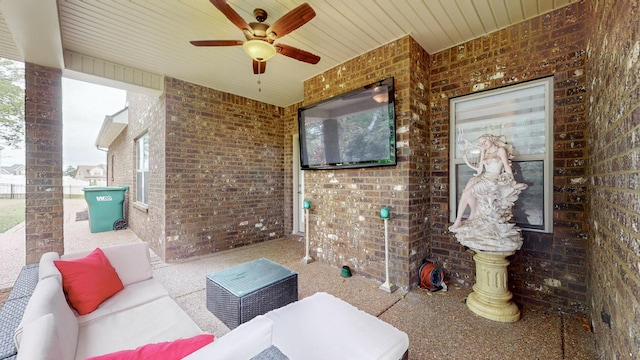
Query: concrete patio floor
[{"x": 439, "y": 325}]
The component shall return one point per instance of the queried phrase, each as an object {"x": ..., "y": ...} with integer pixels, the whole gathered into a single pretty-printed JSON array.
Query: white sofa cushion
[
  {"x": 48, "y": 298},
  {"x": 244, "y": 342},
  {"x": 131, "y": 261},
  {"x": 318, "y": 327},
  {"x": 43, "y": 341},
  {"x": 324, "y": 327},
  {"x": 156, "y": 321},
  {"x": 131, "y": 296}
]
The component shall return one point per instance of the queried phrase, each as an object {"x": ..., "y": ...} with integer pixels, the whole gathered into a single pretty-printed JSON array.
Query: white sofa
[
  {"x": 318, "y": 327},
  {"x": 142, "y": 313}
]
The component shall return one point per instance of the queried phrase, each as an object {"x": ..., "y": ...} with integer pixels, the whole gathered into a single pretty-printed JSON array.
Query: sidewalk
[
  {"x": 77, "y": 237},
  {"x": 12, "y": 255}
]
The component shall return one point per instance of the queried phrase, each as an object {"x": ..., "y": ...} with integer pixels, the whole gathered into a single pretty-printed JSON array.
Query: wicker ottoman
[{"x": 239, "y": 294}]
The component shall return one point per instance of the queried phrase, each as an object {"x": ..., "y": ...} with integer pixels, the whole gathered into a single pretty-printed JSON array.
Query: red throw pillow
[
  {"x": 88, "y": 281},
  {"x": 169, "y": 350}
]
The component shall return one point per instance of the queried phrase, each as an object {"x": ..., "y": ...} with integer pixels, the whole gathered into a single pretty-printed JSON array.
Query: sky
[{"x": 84, "y": 107}]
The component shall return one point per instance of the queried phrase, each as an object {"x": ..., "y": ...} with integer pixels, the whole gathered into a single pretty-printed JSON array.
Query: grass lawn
[{"x": 12, "y": 213}]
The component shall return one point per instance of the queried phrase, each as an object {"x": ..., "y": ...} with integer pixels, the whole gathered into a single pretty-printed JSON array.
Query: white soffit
[
  {"x": 35, "y": 30},
  {"x": 94, "y": 70},
  {"x": 112, "y": 126}
]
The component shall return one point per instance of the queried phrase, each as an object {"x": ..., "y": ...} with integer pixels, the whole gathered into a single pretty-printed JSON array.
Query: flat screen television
[{"x": 353, "y": 130}]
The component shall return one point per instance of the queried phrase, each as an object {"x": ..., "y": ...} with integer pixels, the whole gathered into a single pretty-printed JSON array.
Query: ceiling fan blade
[
  {"x": 291, "y": 21},
  {"x": 297, "y": 54},
  {"x": 232, "y": 15},
  {"x": 259, "y": 67},
  {"x": 216, "y": 42}
]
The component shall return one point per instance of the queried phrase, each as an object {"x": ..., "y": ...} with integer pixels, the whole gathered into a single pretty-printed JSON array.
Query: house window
[
  {"x": 524, "y": 114},
  {"x": 142, "y": 169}
]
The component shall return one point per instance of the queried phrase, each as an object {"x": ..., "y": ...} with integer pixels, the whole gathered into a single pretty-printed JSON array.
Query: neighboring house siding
[
  {"x": 16, "y": 169},
  {"x": 95, "y": 175}
]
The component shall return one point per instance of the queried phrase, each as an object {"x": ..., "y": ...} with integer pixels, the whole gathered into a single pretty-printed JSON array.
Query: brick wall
[
  {"x": 614, "y": 118},
  {"x": 417, "y": 133},
  {"x": 146, "y": 115},
  {"x": 550, "y": 270},
  {"x": 224, "y": 170},
  {"x": 213, "y": 159},
  {"x": 216, "y": 170},
  {"x": 345, "y": 227},
  {"x": 43, "y": 131}
]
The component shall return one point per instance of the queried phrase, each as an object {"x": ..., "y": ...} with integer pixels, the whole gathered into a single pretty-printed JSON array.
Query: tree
[
  {"x": 71, "y": 171},
  {"x": 11, "y": 103}
]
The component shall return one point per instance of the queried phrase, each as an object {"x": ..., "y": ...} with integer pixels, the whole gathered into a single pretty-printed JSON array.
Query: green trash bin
[{"x": 105, "y": 207}]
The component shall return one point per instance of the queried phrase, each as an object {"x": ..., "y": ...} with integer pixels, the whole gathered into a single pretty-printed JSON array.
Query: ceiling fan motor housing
[
  {"x": 260, "y": 15},
  {"x": 259, "y": 31}
]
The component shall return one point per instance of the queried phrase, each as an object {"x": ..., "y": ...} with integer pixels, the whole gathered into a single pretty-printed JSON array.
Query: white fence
[
  {"x": 18, "y": 191},
  {"x": 13, "y": 187}
]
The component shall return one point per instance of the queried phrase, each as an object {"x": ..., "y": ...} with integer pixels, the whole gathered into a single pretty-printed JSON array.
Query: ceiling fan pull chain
[{"x": 259, "y": 88}]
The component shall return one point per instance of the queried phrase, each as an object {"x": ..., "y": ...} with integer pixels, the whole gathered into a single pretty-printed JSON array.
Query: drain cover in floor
[{"x": 82, "y": 215}]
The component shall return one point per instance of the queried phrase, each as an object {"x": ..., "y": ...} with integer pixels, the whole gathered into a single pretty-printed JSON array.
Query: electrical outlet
[{"x": 606, "y": 318}]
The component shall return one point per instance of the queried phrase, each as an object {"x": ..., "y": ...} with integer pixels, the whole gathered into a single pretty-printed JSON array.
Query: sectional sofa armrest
[
  {"x": 48, "y": 298},
  {"x": 131, "y": 261},
  {"x": 244, "y": 342},
  {"x": 46, "y": 267}
]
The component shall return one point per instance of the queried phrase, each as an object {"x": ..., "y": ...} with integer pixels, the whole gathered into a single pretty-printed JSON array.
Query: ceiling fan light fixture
[{"x": 259, "y": 50}]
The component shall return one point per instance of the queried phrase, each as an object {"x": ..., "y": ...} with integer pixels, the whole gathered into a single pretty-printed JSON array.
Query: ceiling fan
[{"x": 260, "y": 35}]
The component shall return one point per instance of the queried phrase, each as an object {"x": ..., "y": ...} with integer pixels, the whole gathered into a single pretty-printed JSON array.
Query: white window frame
[
  {"x": 142, "y": 169},
  {"x": 469, "y": 121}
]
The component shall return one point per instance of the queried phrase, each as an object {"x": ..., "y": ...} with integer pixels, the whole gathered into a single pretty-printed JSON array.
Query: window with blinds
[
  {"x": 524, "y": 114},
  {"x": 142, "y": 169}
]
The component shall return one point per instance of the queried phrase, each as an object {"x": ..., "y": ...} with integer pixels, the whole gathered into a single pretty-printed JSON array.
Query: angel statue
[{"x": 489, "y": 195}]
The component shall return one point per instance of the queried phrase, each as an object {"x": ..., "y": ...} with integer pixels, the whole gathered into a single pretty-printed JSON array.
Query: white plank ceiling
[{"x": 151, "y": 37}]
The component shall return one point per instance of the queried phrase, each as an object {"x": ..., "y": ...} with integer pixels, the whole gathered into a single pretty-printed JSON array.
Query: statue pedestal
[{"x": 491, "y": 298}]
